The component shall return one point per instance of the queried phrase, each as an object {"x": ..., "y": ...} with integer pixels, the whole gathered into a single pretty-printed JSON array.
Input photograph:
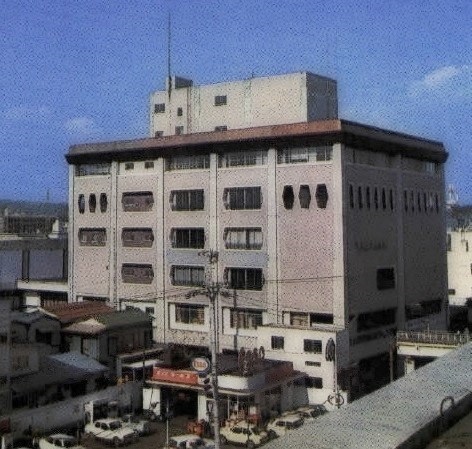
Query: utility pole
[{"x": 212, "y": 291}]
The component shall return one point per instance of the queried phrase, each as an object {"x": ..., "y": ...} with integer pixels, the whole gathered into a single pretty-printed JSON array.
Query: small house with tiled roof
[{"x": 109, "y": 336}]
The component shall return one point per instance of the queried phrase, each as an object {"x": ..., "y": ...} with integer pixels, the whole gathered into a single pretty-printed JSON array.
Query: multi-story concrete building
[
  {"x": 275, "y": 100},
  {"x": 459, "y": 255},
  {"x": 325, "y": 237}
]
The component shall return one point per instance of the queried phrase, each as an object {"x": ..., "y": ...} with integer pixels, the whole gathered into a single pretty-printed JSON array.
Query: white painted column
[
  {"x": 274, "y": 313},
  {"x": 114, "y": 205},
  {"x": 336, "y": 196},
  {"x": 161, "y": 321},
  {"x": 409, "y": 365},
  {"x": 71, "y": 234}
]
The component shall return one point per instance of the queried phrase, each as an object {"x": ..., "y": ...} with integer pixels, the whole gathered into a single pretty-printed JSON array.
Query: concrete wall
[
  {"x": 291, "y": 98},
  {"x": 459, "y": 266},
  {"x": 70, "y": 412}
]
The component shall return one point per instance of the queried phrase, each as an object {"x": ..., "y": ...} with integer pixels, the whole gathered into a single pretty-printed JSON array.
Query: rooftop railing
[{"x": 434, "y": 337}]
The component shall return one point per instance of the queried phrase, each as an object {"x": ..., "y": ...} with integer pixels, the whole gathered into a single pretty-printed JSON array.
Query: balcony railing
[{"x": 434, "y": 337}]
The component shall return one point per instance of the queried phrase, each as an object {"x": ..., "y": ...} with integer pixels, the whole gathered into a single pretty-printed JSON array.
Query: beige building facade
[
  {"x": 184, "y": 108},
  {"x": 459, "y": 265},
  {"x": 330, "y": 229}
]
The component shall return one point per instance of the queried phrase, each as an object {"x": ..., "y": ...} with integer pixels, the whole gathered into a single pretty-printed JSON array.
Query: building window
[
  {"x": 92, "y": 169},
  {"x": 188, "y": 162},
  {"x": 405, "y": 200},
  {"x": 158, "y": 133},
  {"x": 323, "y": 318},
  {"x": 137, "y": 273},
  {"x": 385, "y": 278},
  {"x": 92, "y": 236},
  {"x": 367, "y": 197},
  {"x": 187, "y": 276},
  {"x": 313, "y": 346},
  {"x": 92, "y": 202},
  {"x": 288, "y": 197},
  {"x": 243, "y": 238},
  {"x": 179, "y": 130},
  {"x": 244, "y": 278},
  {"x": 187, "y": 200},
  {"x": 418, "y": 198},
  {"x": 239, "y": 198},
  {"x": 374, "y": 320},
  {"x": 299, "y": 155},
  {"x": 180, "y": 112},
  {"x": 425, "y": 202},
  {"x": 221, "y": 128},
  {"x": 376, "y": 198},
  {"x": 384, "y": 199},
  {"x": 314, "y": 382},
  {"x": 321, "y": 196},
  {"x": 103, "y": 202},
  {"x": 451, "y": 291},
  {"x": 360, "y": 202},
  {"x": 81, "y": 203},
  {"x": 137, "y": 237},
  {"x": 188, "y": 237},
  {"x": 304, "y": 196},
  {"x": 159, "y": 108},
  {"x": 449, "y": 242},
  {"x": 245, "y": 318},
  {"x": 149, "y": 310},
  {"x": 437, "y": 202},
  {"x": 298, "y": 319},
  {"x": 311, "y": 363},
  {"x": 189, "y": 314},
  {"x": 242, "y": 158},
  {"x": 351, "y": 196},
  {"x": 220, "y": 100},
  {"x": 277, "y": 342},
  {"x": 148, "y": 164},
  {"x": 129, "y": 166},
  {"x": 137, "y": 201}
]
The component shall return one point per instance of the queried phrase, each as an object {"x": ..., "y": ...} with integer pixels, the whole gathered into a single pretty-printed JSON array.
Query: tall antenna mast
[{"x": 169, "y": 77}]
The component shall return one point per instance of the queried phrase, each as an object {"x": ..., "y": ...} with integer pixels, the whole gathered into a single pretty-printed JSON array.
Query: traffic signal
[{"x": 208, "y": 387}]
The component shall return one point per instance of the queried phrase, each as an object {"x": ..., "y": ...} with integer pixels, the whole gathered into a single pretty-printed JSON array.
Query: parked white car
[
  {"x": 111, "y": 431},
  {"x": 281, "y": 425},
  {"x": 190, "y": 441},
  {"x": 59, "y": 440},
  {"x": 311, "y": 412},
  {"x": 244, "y": 433},
  {"x": 141, "y": 426}
]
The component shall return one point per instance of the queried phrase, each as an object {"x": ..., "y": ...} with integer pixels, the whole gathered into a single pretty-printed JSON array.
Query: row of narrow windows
[
  {"x": 365, "y": 197},
  {"x": 420, "y": 201},
  {"x": 182, "y": 238},
  {"x": 235, "y": 278}
]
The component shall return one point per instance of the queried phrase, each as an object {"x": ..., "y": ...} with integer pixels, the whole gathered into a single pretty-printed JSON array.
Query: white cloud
[
  {"x": 82, "y": 126},
  {"x": 452, "y": 80},
  {"x": 21, "y": 113}
]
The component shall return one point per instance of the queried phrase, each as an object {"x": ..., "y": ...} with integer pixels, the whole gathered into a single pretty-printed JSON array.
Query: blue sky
[{"x": 80, "y": 71}]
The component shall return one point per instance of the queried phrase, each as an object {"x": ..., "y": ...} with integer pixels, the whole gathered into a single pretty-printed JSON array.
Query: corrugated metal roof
[
  {"x": 70, "y": 312},
  {"x": 390, "y": 416},
  {"x": 59, "y": 369},
  {"x": 108, "y": 321}
]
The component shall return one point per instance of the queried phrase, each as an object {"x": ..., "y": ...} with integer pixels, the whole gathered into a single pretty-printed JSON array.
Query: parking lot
[{"x": 156, "y": 440}]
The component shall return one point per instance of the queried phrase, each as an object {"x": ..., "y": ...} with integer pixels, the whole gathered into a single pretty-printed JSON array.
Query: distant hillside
[{"x": 59, "y": 210}]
